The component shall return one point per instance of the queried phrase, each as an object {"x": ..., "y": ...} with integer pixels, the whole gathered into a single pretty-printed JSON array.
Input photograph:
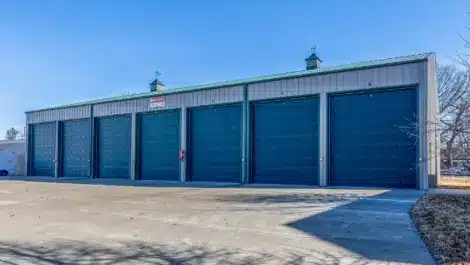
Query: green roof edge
[{"x": 295, "y": 74}]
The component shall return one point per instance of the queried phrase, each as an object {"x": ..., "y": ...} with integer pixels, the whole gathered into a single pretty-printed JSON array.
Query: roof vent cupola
[
  {"x": 156, "y": 84},
  {"x": 313, "y": 61}
]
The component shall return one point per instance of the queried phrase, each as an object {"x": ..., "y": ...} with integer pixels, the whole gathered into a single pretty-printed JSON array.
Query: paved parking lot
[{"x": 80, "y": 223}]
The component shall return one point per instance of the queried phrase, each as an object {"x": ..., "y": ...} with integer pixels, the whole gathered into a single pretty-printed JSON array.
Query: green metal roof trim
[{"x": 323, "y": 70}]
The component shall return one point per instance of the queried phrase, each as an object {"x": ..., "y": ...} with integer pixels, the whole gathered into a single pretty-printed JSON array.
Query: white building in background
[{"x": 18, "y": 147}]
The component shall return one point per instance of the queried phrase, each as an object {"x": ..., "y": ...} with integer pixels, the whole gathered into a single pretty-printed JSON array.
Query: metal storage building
[{"x": 323, "y": 126}]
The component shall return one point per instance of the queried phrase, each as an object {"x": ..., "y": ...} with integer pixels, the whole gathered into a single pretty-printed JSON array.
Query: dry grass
[
  {"x": 455, "y": 183},
  {"x": 444, "y": 223}
]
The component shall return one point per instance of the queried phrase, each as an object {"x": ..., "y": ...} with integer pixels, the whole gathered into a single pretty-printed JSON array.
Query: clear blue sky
[{"x": 58, "y": 52}]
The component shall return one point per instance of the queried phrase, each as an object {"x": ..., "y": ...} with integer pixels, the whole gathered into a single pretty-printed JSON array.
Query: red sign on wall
[{"x": 157, "y": 102}]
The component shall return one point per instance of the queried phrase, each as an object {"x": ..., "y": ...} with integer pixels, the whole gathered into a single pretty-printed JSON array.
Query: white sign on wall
[{"x": 157, "y": 102}]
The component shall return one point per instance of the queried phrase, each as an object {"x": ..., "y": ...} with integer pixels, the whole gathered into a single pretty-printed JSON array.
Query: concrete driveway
[{"x": 73, "y": 222}]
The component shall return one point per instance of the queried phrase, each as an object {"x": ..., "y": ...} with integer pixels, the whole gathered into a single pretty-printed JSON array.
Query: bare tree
[
  {"x": 453, "y": 124},
  {"x": 464, "y": 56},
  {"x": 452, "y": 85},
  {"x": 12, "y": 134},
  {"x": 455, "y": 107},
  {"x": 454, "y": 128}
]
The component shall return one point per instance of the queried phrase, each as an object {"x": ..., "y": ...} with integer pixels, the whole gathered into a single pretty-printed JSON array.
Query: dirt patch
[
  {"x": 444, "y": 223},
  {"x": 455, "y": 183}
]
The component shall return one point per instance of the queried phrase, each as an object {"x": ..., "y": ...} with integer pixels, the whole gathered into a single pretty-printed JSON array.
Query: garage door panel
[
  {"x": 159, "y": 146},
  {"x": 215, "y": 139},
  {"x": 44, "y": 136},
  {"x": 285, "y": 141},
  {"x": 76, "y": 148},
  {"x": 114, "y": 145},
  {"x": 368, "y": 148}
]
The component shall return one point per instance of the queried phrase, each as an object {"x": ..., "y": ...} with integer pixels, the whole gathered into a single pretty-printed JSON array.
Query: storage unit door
[
  {"x": 215, "y": 144},
  {"x": 368, "y": 144},
  {"x": 43, "y": 145},
  {"x": 160, "y": 145},
  {"x": 285, "y": 141},
  {"x": 76, "y": 148},
  {"x": 114, "y": 146}
]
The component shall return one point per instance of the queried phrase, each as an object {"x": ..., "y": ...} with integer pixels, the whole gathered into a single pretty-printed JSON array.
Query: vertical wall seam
[
  {"x": 28, "y": 147},
  {"x": 92, "y": 143},
  {"x": 244, "y": 155},
  {"x": 133, "y": 161},
  {"x": 323, "y": 145},
  {"x": 57, "y": 149},
  {"x": 183, "y": 143}
]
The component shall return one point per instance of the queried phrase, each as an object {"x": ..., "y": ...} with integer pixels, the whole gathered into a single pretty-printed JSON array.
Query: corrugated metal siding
[
  {"x": 433, "y": 133},
  {"x": 80, "y": 112},
  {"x": 173, "y": 101},
  {"x": 423, "y": 117},
  {"x": 396, "y": 75}
]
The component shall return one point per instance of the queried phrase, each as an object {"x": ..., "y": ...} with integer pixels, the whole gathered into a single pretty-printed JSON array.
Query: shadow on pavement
[
  {"x": 73, "y": 252},
  {"x": 283, "y": 198},
  {"x": 377, "y": 227},
  {"x": 374, "y": 225}
]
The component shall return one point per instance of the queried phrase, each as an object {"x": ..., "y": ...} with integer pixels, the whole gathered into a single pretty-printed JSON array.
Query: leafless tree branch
[{"x": 453, "y": 124}]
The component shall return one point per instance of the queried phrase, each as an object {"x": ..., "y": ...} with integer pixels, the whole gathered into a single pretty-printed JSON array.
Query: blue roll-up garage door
[
  {"x": 44, "y": 135},
  {"x": 114, "y": 146},
  {"x": 159, "y": 145},
  {"x": 215, "y": 143},
  {"x": 76, "y": 148},
  {"x": 285, "y": 141},
  {"x": 367, "y": 144}
]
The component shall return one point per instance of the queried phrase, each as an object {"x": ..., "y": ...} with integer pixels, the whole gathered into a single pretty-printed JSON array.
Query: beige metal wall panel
[
  {"x": 350, "y": 82},
  {"x": 183, "y": 147},
  {"x": 324, "y": 83},
  {"x": 72, "y": 113},
  {"x": 374, "y": 78},
  {"x": 422, "y": 134},
  {"x": 172, "y": 101},
  {"x": 394, "y": 75},
  {"x": 290, "y": 87},
  {"x": 307, "y": 84},
  {"x": 433, "y": 120},
  {"x": 411, "y": 73}
]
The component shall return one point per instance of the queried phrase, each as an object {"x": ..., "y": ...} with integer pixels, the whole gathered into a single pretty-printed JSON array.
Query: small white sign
[{"x": 157, "y": 102}]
